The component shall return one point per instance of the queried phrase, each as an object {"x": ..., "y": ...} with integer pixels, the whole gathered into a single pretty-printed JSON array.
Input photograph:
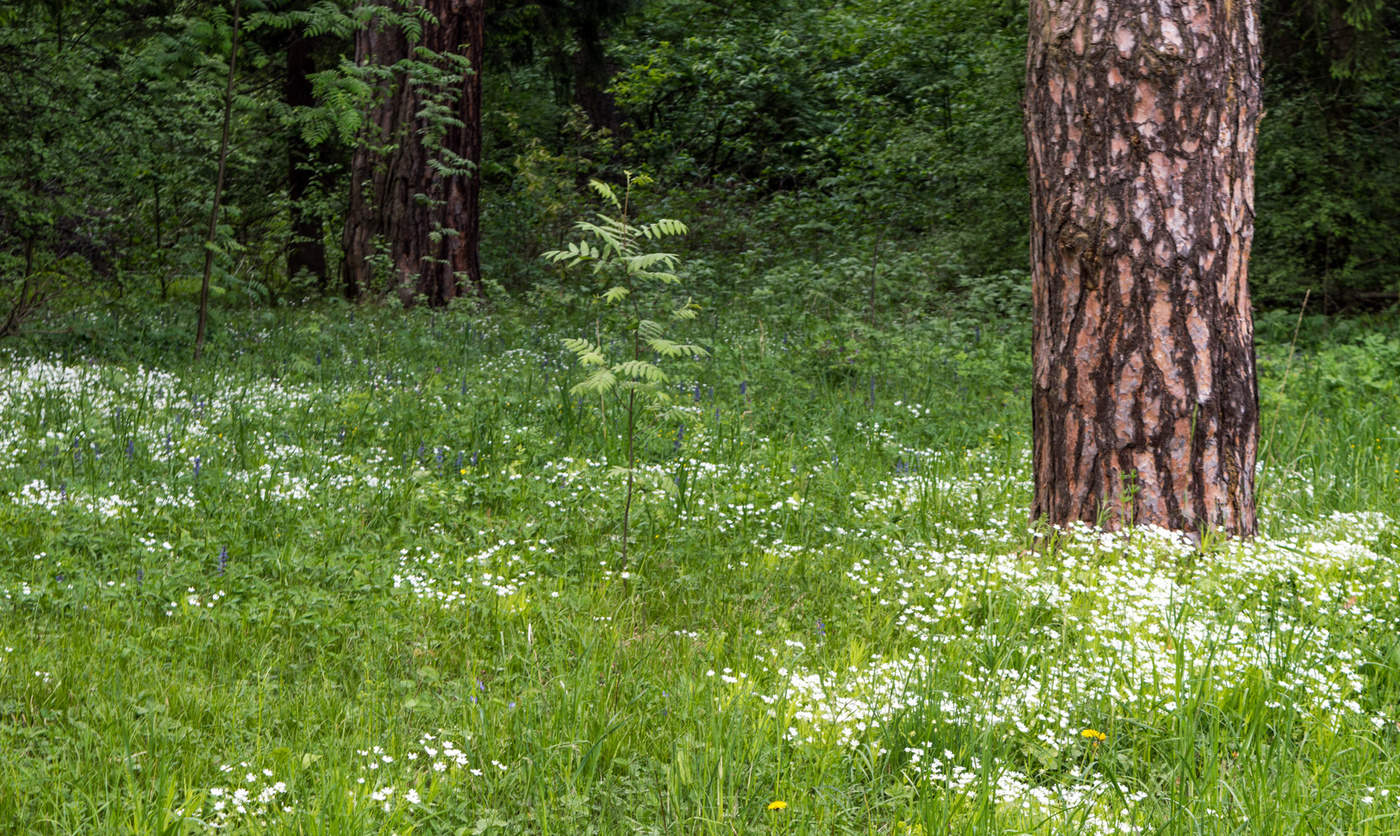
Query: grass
[{"x": 357, "y": 573}]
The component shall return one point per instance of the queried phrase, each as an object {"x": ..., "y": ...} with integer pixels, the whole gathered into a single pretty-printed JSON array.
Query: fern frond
[
  {"x": 611, "y": 240},
  {"x": 348, "y": 123},
  {"x": 577, "y": 252},
  {"x": 643, "y": 263},
  {"x": 605, "y": 191},
  {"x": 641, "y": 370},
  {"x": 588, "y": 354},
  {"x": 600, "y": 382},
  {"x": 670, "y": 348},
  {"x": 622, "y": 236},
  {"x": 663, "y": 228},
  {"x": 666, "y": 348}
]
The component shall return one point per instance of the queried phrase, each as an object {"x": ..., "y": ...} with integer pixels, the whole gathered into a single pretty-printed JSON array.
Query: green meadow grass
[{"x": 358, "y": 573}]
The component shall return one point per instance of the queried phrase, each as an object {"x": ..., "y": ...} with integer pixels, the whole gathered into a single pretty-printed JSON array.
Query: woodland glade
[{"x": 379, "y": 567}]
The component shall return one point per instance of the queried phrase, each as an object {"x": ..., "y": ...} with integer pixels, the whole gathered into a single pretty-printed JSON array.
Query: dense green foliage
[
  {"x": 109, "y": 132},
  {"x": 879, "y": 130},
  {"x": 1329, "y": 166}
]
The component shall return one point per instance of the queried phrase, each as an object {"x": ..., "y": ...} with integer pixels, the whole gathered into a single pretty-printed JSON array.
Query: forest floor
[{"x": 359, "y": 572}]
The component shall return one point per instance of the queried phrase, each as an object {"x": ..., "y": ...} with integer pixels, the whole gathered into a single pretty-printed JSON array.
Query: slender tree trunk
[
  {"x": 1140, "y": 120},
  {"x": 218, "y": 192},
  {"x": 307, "y": 250},
  {"x": 162, "y": 273},
  {"x": 24, "y": 303},
  {"x": 426, "y": 222}
]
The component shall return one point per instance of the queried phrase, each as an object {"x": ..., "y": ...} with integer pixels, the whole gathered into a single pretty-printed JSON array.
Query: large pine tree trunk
[
  {"x": 398, "y": 202},
  {"x": 1140, "y": 119}
]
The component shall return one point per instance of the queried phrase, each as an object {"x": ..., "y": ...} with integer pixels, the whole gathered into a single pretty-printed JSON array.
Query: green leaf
[
  {"x": 605, "y": 192},
  {"x": 667, "y": 348},
  {"x": 600, "y": 382},
  {"x": 645, "y": 261},
  {"x": 663, "y": 228},
  {"x": 588, "y": 354},
  {"x": 641, "y": 370}
]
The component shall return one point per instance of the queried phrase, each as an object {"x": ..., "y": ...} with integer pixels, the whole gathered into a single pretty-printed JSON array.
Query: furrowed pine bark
[
  {"x": 397, "y": 198},
  {"x": 1140, "y": 120}
]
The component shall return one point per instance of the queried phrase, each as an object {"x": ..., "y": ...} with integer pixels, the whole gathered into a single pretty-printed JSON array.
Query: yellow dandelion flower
[
  {"x": 1093, "y": 734},
  {"x": 777, "y": 805}
]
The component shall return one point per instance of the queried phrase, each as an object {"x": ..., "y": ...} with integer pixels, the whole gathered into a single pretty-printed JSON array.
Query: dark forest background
[{"x": 859, "y": 157}]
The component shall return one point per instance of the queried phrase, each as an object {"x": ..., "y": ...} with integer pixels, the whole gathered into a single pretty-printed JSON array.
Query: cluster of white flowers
[
  {"x": 194, "y": 601},
  {"x": 989, "y": 631},
  {"x": 255, "y": 798},
  {"x": 126, "y": 413},
  {"x": 500, "y": 569}
]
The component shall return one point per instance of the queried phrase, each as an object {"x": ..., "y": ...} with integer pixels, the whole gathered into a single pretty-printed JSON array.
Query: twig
[{"x": 1287, "y": 369}]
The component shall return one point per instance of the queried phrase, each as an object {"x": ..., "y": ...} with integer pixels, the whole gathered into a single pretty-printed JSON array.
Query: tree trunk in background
[
  {"x": 387, "y": 208},
  {"x": 1140, "y": 120},
  {"x": 202, "y": 324},
  {"x": 306, "y": 251},
  {"x": 592, "y": 75}
]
